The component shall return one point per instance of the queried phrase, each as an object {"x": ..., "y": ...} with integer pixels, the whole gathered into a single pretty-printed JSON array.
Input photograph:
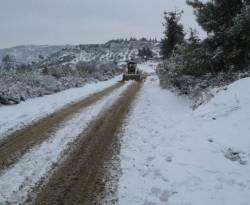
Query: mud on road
[
  {"x": 79, "y": 178},
  {"x": 18, "y": 143}
]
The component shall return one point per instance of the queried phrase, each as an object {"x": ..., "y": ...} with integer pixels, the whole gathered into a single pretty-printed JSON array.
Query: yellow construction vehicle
[{"x": 132, "y": 72}]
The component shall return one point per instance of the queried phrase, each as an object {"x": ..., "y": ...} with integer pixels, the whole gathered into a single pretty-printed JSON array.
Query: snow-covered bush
[
  {"x": 18, "y": 85},
  {"x": 172, "y": 77},
  {"x": 28, "y": 81},
  {"x": 97, "y": 70},
  {"x": 192, "y": 70},
  {"x": 192, "y": 65}
]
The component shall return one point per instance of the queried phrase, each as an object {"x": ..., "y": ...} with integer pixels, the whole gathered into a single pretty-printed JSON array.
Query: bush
[
  {"x": 145, "y": 53},
  {"x": 25, "y": 81},
  {"x": 191, "y": 65}
]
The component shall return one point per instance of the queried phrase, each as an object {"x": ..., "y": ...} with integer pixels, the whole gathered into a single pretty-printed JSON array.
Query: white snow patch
[
  {"x": 17, "y": 116},
  {"x": 148, "y": 67},
  {"x": 173, "y": 155},
  {"x": 17, "y": 182}
]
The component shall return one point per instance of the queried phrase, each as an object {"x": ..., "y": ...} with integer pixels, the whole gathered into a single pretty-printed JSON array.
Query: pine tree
[
  {"x": 145, "y": 53},
  {"x": 193, "y": 39},
  {"x": 173, "y": 34},
  {"x": 8, "y": 62},
  {"x": 239, "y": 34},
  {"x": 196, "y": 60},
  {"x": 223, "y": 19}
]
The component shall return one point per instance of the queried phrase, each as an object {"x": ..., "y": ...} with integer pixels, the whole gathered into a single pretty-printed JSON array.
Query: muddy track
[
  {"x": 18, "y": 143},
  {"x": 79, "y": 179}
]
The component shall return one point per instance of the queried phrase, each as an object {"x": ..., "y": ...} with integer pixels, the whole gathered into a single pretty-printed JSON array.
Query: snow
[
  {"x": 30, "y": 53},
  {"x": 171, "y": 154},
  {"x": 17, "y": 182},
  {"x": 17, "y": 116},
  {"x": 82, "y": 56},
  {"x": 111, "y": 51},
  {"x": 148, "y": 67}
]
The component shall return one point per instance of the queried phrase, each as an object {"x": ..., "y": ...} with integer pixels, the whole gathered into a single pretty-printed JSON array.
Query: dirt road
[
  {"x": 79, "y": 178},
  {"x": 18, "y": 143}
]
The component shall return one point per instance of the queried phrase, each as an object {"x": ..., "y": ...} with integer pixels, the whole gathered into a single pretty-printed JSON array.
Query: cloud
[{"x": 84, "y": 21}]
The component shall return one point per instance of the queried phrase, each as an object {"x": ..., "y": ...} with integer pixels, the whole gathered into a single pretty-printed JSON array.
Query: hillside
[
  {"x": 114, "y": 50},
  {"x": 30, "y": 53},
  {"x": 33, "y": 71}
]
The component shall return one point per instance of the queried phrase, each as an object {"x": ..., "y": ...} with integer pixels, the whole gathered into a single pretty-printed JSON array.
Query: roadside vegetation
[
  {"x": 19, "y": 82},
  {"x": 190, "y": 64}
]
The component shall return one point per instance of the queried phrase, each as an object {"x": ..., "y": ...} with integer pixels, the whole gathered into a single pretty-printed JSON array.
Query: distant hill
[
  {"x": 113, "y": 51},
  {"x": 29, "y": 53}
]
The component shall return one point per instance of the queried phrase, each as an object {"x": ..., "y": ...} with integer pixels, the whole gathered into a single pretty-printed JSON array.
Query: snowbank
[
  {"x": 148, "y": 67},
  {"x": 16, "y": 116},
  {"x": 173, "y": 155}
]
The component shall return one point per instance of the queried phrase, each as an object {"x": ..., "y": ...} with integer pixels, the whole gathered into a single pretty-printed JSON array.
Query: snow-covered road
[
  {"x": 173, "y": 155},
  {"x": 18, "y": 181},
  {"x": 170, "y": 154},
  {"x": 17, "y": 116}
]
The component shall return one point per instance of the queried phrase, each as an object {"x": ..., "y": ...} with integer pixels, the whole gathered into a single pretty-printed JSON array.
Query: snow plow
[{"x": 132, "y": 72}]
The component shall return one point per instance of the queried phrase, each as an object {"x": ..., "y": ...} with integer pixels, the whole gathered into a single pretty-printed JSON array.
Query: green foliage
[
  {"x": 227, "y": 24},
  {"x": 196, "y": 59},
  {"x": 192, "y": 64},
  {"x": 145, "y": 53},
  {"x": 173, "y": 33},
  {"x": 239, "y": 34},
  {"x": 215, "y": 15},
  {"x": 8, "y": 62}
]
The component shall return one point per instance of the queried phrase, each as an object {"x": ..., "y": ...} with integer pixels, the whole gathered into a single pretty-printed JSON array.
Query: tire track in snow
[
  {"x": 18, "y": 143},
  {"x": 81, "y": 178},
  {"x": 18, "y": 181}
]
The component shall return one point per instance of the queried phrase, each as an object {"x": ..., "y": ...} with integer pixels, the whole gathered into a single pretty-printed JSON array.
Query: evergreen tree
[
  {"x": 239, "y": 35},
  {"x": 196, "y": 59},
  {"x": 227, "y": 23},
  {"x": 193, "y": 39},
  {"x": 173, "y": 34},
  {"x": 8, "y": 62},
  {"x": 145, "y": 53}
]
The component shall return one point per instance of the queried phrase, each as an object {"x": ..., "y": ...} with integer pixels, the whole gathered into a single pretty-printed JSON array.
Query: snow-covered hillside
[
  {"x": 112, "y": 51},
  {"x": 173, "y": 155},
  {"x": 32, "y": 71},
  {"x": 31, "y": 53}
]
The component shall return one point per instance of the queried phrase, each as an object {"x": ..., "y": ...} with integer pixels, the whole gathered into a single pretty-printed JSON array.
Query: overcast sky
[{"x": 84, "y": 21}]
